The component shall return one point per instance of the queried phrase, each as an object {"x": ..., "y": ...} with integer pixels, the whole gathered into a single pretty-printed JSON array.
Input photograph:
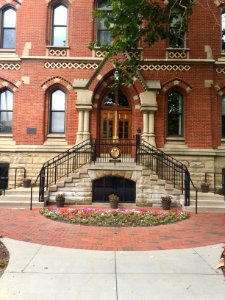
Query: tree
[{"x": 132, "y": 21}]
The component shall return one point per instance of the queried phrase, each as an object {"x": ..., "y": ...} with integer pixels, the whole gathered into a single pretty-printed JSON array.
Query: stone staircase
[
  {"x": 149, "y": 188},
  {"x": 20, "y": 198},
  {"x": 207, "y": 202}
]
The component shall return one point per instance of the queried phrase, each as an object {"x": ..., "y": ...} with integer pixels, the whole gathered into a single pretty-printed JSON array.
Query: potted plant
[
  {"x": 26, "y": 182},
  {"x": 166, "y": 202},
  {"x": 113, "y": 200},
  {"x": 205, "y": 187},
  {"x": 60, "y": 200}
]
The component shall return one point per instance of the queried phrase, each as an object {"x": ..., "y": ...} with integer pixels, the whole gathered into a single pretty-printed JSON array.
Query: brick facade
[{"x": 34, "y": 68}]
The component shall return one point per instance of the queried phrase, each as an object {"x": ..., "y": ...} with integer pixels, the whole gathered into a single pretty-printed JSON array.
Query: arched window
[
  {"x": 59, "y": 25},
  {"x": 176, "y": 35},
  {"x": 57, "y": 111},
  {"x": 8, "y": 28},
  {"x": 223, "y": 116},
  {"x": 6, "y": 111},
  {"x": 103, "y": 33},
  {"x": 223, "y": 31},
  {"x": 175, "y": 114}
]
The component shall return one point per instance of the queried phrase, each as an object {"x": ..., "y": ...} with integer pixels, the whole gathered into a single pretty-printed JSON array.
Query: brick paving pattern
[{"x": 25, "y": 225}]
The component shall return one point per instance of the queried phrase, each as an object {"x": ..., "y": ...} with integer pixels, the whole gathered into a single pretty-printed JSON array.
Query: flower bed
[{"x": 114, "y": 217}]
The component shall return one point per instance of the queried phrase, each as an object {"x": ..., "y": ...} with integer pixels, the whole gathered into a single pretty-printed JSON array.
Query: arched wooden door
[
  {"x": 115, "y": 116},
  {"x": 115, "y": 119}
]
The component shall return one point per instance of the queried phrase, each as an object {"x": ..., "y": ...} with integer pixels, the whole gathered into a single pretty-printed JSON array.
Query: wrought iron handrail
[
  {"x": 168, "y": 168},
  {"x": 5, "y": 179},
  {"x": 165, "y": 166},
  {"x": 60, "y": 166},
  {"x": 15, "y": 175}
]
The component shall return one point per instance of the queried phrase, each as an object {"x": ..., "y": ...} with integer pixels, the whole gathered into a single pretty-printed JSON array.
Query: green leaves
[{"x": 132, "y": 23}]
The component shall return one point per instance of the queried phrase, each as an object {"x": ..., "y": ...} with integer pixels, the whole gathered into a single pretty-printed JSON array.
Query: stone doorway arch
[{"x": 104, "y": 186}]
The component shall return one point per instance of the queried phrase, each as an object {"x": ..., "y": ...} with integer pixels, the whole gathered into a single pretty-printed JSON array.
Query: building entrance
[{"x": 115, "y": 121}]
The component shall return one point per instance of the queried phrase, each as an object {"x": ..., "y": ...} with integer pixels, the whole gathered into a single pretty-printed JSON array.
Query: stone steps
[
  {"x": 207, "y": 202},
  {"x": 149, "y": 188},
  {"x": 20, "y": 198}
]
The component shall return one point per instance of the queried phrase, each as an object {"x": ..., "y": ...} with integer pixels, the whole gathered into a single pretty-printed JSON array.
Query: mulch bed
[{"x": 4, "y": 258}]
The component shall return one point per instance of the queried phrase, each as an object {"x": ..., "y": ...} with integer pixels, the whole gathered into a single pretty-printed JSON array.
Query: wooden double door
[{"x": 115, "y": 125}]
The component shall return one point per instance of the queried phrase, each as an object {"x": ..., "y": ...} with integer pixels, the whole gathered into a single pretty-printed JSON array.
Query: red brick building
[{"x": 55, "y": 91}]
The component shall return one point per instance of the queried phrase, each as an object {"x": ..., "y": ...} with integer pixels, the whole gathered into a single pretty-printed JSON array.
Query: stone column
[
  {"x": 83, "y": 105},
  {"x": 145, "y": 123},
  {"x": 148, "y": 108},
  {"x": 86, "y": 133},
  {"x": 151, "y": 130},
  {"x": 80, "y": 126}
]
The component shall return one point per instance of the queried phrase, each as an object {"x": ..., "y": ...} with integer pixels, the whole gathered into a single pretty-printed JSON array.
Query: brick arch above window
[
  {"x": 176, "y": 84},
  {"x": 57, "y": 81},
  {"x": 57, "y": 2},
  {"x": 14, "y": 4},
  {"x": 7, "y": 85},
  {"x": 103, "y": 88}
]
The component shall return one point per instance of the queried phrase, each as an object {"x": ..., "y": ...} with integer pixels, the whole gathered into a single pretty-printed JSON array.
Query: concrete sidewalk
[{"x": 40, "y": 272}]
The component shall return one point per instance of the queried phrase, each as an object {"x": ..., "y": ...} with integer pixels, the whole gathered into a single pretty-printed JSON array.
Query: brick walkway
[{"x": 25, "y": 225}]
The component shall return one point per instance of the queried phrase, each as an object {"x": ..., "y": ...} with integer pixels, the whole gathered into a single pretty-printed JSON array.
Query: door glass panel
[
  {"x": 120, "y": 129},
  {"x": 122, "y": 100},
  {"x": 126, "y": 130},
  {"x": 109, "y": 99},
  {"x": 107, "y": 129}
]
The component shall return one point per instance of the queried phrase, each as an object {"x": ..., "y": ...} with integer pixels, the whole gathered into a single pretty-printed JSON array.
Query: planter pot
[
  {"x": 60, "y": 202},
  {"x": 166, "y": 204},
  {"x": 113, "y": 204},
  {"x": 27, "y": 183},
  {"x": 204, "y": 188},
  {"x": 113, "y": 200}
]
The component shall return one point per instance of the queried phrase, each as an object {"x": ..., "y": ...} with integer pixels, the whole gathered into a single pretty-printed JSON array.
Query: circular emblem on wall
[{"x": 115, "y": 152}]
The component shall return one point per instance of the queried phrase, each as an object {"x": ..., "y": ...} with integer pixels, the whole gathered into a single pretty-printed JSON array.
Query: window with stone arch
[
  {"x": 6, "y": 111},
  {"x": 57, "y": 111},
  {"x": 8, "y": 28},
  {"x": 103, "y": 36},
  {"x": 175, "y": 103},
  {"x": 59, "y": 24}
]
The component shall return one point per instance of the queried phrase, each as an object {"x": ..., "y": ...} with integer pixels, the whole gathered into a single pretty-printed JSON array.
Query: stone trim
[
  {"x": 10, "y": 66},
  {"x": 58, "y": 80},
  {"x": 163, "y": 67},
  {"x": 70, "y": 65}
]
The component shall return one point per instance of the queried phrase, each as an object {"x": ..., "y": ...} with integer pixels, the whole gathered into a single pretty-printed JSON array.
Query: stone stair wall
[{"x": 149, "y": 188}]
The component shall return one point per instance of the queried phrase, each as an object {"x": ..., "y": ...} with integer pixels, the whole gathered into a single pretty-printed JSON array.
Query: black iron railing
[
  {"x": 216, "y": 181},
  {"x": 111, "y": 150},
  {"x": 16, "y": 177},
  {"x": 60, "y": 166},
  {"x": 168, "y": 168},
  {"x": 16, "y": 174},
  {"x": 114, "y": 150}
]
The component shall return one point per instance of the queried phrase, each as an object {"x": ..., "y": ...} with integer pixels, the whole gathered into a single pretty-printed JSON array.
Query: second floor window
[
  {"x": 177, "y": 36},
  {"x": 103, "y": 33},
  {"x": 8, "y": 28},
  {"x": 57, "y": 112},
  {"x": 223, "y": 31},
  {"x": 59, "y": 26},
  {"x": 6, "y": 111},
  {"x": 175, "y": 114}
]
